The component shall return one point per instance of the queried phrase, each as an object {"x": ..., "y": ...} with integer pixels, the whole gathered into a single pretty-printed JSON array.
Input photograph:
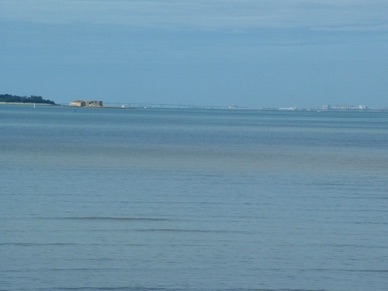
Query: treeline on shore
[{"x": 24, "y": 99}]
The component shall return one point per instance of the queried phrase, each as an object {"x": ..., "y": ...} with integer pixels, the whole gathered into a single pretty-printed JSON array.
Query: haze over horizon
[{"x": 252, "y": 53}]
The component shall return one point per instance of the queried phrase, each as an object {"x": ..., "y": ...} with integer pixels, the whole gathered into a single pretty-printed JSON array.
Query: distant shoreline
[
  {"x": 31, "y": 104},
  {"x": 27, "y": 104}
]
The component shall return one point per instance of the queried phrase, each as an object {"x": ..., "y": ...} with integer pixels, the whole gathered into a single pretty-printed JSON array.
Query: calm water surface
[{"x": 149, "y": 199}]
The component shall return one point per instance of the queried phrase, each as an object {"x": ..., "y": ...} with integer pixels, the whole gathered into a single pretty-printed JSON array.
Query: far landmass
[{"x": 22, "y": 99}]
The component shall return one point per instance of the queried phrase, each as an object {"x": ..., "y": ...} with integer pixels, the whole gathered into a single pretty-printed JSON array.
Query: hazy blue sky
[{"x": 256, "y": 53}]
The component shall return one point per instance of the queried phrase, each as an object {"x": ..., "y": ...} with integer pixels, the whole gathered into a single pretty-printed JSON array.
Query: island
[{"x": 7, "y": 98}]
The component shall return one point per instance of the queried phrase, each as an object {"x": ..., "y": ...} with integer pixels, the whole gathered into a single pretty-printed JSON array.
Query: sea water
[{"x": 161, "y": 199}]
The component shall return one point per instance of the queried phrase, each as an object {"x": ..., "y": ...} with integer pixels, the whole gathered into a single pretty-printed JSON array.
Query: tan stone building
[{"x": 86, "y": 103}]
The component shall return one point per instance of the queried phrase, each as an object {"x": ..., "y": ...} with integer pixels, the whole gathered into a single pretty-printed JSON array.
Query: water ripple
[{"x": 108, "y": 218}]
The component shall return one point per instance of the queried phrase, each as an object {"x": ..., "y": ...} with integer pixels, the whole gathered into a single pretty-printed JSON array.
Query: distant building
[
  {"x": 288, "y": 108},
  {"x": 77, "y": 103},
  {"x": 86, "y": 103},
  {"x": 344, "y": 107}
]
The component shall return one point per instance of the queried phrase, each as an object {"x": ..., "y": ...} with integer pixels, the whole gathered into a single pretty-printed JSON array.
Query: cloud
[{"x": 232, "y": 15}]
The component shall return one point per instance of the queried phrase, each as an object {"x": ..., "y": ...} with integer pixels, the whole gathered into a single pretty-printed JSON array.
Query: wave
[
  {"x": 108, "y": 218},
  {"x": 117, "y": 289},
  {"x": 38, "y": 244},
  {"x": 174, "y": 289},
  {"x": 189, "y": 230}
]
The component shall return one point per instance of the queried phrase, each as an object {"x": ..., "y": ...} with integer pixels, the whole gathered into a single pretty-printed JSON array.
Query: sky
[{"x": 249, "y": 53}]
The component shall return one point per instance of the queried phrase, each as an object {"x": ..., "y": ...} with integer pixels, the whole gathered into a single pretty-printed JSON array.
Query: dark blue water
[{"x": 104, "y": 199}]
